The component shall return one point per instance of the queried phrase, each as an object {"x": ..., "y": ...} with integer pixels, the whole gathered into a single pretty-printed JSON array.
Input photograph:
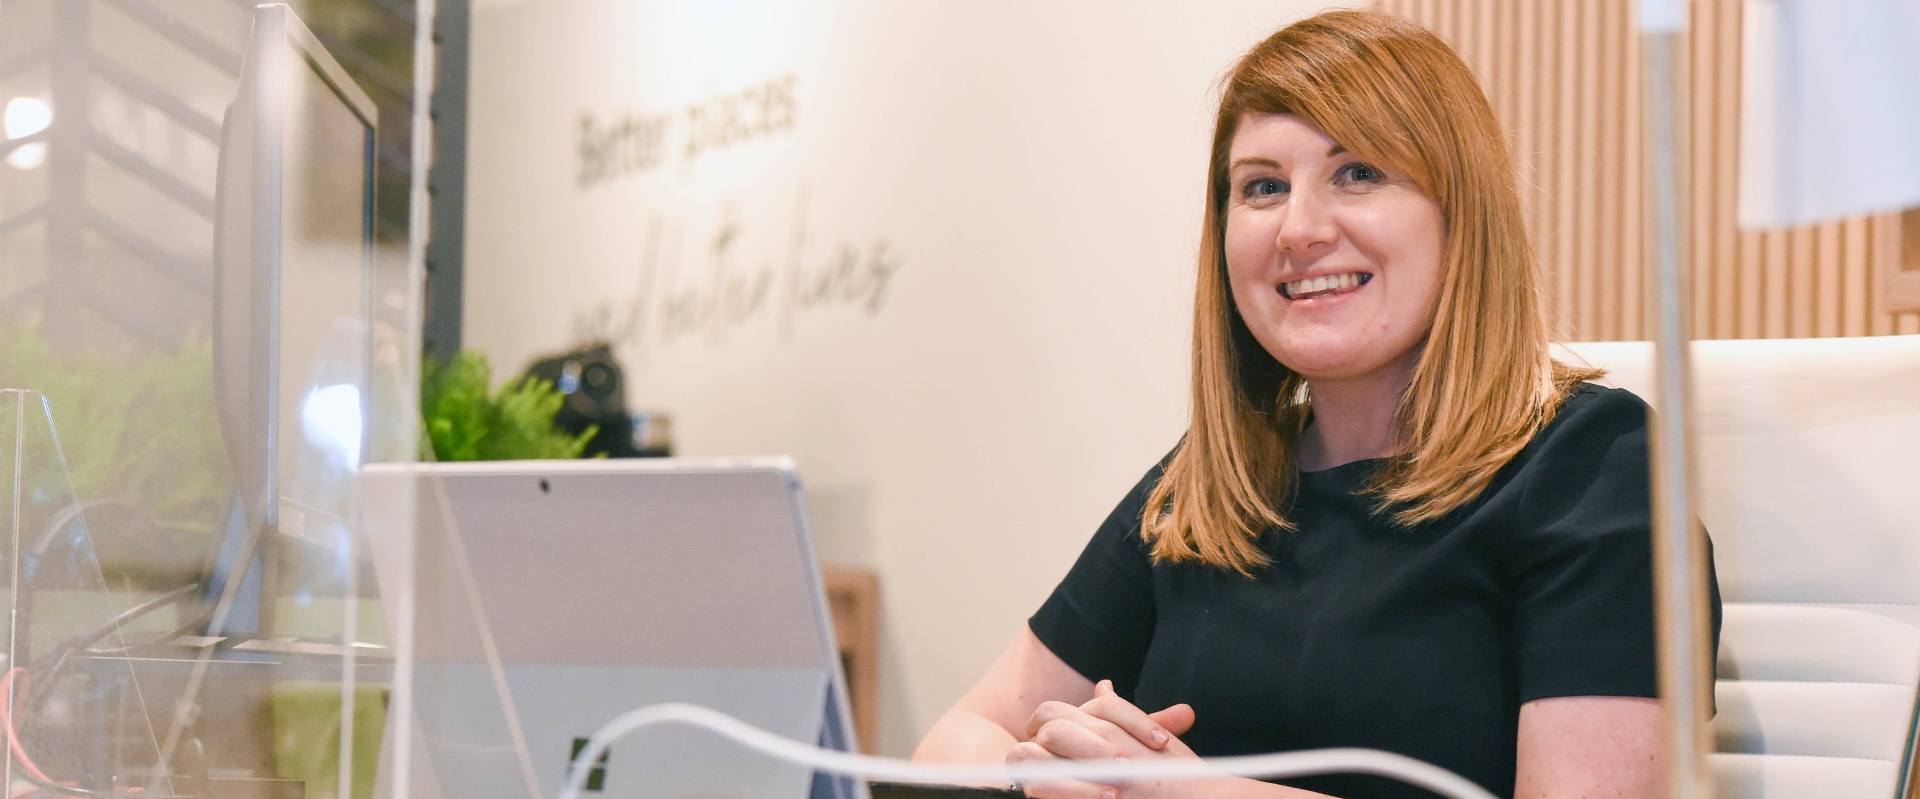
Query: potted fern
[{"x": 465, "y": 421}]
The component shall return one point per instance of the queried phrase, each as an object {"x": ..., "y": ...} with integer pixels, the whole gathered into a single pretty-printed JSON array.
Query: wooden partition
[
  {"x": 853, "y": 596},
  {"x": 1564, "y": 76}
]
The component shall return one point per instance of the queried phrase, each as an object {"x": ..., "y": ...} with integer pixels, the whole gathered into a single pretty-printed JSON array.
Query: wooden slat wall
[{"x": 1564, "y": 76}]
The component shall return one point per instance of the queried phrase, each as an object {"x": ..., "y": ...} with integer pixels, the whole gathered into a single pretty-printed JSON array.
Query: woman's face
[{"x": 1334, "y": 262}]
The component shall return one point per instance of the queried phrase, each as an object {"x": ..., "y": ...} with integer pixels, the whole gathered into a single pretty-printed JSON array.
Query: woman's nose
[{"x": 1306, "y": 223}]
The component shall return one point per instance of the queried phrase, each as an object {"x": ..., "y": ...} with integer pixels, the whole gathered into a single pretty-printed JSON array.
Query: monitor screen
[{"x": 325, "y": 240}]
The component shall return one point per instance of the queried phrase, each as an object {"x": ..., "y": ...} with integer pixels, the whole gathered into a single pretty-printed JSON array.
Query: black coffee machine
[{"x": 595, "y": 390}]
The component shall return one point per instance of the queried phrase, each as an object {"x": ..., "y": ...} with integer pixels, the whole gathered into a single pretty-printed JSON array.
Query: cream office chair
[{"x": 1809, "y": 482}]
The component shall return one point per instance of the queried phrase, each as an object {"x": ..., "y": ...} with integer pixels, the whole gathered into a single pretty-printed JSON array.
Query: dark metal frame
[{"x": 447, "y": 181}]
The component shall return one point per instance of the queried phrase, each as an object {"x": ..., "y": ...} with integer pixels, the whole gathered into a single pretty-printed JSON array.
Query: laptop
[{"x": 604, "y": 586}]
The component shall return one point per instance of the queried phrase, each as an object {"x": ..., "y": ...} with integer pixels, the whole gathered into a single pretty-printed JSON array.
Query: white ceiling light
[
  {"x": 26, "y": 116},
  {"x": 28, "y": 156}
]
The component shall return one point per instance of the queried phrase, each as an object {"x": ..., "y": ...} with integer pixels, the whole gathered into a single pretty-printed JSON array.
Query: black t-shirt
[{"x": 1423, "y": 641}]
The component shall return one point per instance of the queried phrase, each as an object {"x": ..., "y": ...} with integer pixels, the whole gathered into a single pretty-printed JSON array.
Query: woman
[{"x": 1394, "y": 522}]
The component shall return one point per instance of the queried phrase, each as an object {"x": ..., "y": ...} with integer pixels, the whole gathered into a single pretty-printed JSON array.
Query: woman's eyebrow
[
  {"x": 1255, "y": 161},
  {"x": 1270, "y": 163}
]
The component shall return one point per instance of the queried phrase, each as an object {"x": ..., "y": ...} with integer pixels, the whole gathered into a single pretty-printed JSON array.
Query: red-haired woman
[{"x": 1395, "y": 521}]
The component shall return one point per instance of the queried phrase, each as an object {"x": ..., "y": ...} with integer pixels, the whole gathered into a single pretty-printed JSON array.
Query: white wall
[{"x": 1030, "y": 175}]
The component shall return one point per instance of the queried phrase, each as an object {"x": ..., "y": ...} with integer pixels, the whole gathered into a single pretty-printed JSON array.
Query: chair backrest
[{"x": 1808, "y": 479}]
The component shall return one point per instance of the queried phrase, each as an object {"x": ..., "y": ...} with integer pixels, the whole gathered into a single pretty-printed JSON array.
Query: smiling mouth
[{"x": 1324, "y": 286}]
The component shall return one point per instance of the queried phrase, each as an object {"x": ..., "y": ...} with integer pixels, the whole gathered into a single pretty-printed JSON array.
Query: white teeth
[{"x": 1310, "y": 285}]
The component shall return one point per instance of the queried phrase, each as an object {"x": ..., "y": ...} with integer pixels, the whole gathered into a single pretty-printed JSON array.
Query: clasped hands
[{"x": 1107, "y": 727}]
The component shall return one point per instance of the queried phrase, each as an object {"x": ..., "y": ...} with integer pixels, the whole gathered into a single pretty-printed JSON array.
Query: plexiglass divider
[
  {"x": 203, "y": 342},
  {"x": 69, "y": 686},
  {"x": 454, "y": 719},
  {"x": 125, "y": 673},
  {"x": 129, "y": 670}
]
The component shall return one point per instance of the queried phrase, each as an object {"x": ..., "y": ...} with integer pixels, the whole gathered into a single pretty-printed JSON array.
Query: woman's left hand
[{"x": 1107, "y": 727}]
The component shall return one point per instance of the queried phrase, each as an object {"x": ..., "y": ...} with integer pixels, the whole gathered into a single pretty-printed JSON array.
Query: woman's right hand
[{"x": 1106, "y": 727}]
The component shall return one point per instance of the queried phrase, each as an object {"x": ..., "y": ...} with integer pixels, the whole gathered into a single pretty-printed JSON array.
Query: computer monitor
[{"x": 293, "y": 272}]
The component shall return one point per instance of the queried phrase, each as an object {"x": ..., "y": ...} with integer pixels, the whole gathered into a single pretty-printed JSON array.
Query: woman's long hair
[{"x": 1393, "y": 93}]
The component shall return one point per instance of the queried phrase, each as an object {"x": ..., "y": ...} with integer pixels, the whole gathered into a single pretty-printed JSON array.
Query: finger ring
[{"x": 1016, "y": 788}]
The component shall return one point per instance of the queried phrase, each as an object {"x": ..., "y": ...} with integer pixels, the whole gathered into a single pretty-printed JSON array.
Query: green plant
[
  {"x": 142, "y": 429},
  {"x": 466, "y": 422}
]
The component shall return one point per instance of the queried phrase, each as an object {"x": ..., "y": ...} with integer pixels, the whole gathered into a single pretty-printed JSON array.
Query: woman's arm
[
  {"x": 992, "y": 716},
  {"x": 1589, "y": 746}
]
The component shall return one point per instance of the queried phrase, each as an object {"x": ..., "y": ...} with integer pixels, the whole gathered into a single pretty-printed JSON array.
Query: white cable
[{"x": 1288, "y": 764}]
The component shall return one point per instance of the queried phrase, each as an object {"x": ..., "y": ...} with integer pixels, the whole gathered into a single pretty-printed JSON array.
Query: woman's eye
[
  {"x": 1265, "y": 187},
  {"x": 1359, "y": 173}
]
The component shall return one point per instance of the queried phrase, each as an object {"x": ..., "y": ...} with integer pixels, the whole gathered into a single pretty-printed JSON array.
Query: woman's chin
[
  {"x": 1318, "y": 359},
  {"x": 1327, "y": 365}
]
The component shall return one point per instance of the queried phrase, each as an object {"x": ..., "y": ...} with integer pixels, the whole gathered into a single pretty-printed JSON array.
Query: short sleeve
[
  {"x": 1100, "y": 619},
  {"x": 1583, "y": 558}
]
